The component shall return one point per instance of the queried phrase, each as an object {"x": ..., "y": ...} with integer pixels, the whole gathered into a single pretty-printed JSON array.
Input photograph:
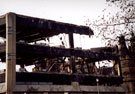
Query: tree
[{"x": 118, "y": 19}]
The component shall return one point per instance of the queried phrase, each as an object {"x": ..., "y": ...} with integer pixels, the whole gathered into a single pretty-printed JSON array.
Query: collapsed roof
[{"x": 32, "y": 29}]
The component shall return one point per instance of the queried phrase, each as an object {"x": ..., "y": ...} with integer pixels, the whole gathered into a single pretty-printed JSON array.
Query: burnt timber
[
  {"x": 40, "y": 52},
  {"x": 32, "y": 29},
  {"x": 63, "y": 78},
  {"x": 16, "y": 28}
]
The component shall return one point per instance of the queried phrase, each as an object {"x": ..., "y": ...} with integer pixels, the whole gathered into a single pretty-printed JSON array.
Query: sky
[{"x": 68, "y": 11}]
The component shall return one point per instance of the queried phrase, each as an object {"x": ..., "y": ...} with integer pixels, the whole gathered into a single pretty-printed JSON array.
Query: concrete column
[
  {"x": 76, "y": 86},
  {"x": 66, "y": 93},
  {"x": 45, "y": 93},
  {"x": 10, "y": 53}
]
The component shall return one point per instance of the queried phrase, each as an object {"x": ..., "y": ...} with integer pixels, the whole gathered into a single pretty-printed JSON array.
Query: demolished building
[{"x": 15, "y": 28}]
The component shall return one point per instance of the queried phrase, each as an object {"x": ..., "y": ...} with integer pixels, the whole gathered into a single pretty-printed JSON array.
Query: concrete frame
[{"x": 10, "y": 79}]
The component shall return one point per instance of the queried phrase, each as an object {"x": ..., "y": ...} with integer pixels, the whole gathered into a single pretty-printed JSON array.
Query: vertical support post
[
  {"x": 71, "y": 45},
  {"x": 10, "y": 53},
  {"x": 71, "y": 40},
  {"x": 119, "y": 68}
]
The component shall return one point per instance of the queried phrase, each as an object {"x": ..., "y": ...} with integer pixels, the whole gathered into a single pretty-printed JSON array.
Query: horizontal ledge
[{"x": 67, "y": 88}]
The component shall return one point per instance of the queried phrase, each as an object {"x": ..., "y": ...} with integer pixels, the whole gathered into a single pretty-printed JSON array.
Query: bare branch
[{"x": 114, "y": 24}]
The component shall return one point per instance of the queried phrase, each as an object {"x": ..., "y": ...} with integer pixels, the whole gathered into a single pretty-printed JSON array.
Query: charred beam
[
  {"x": 26, "y": 51},
  {"x": 30, "y": 29},
  {"x": 65, "y": 79}
]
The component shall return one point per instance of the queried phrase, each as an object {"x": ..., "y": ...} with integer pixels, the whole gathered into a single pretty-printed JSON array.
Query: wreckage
[{"x": 56, "y": 79}]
